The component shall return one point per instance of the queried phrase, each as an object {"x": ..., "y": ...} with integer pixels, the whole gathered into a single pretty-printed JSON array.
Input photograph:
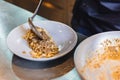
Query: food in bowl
[
  {"x": 41, "y": 48},
  {"x": 64, "y": 37},
  {"x": 105, "y": 63},
  {"x": 98, "y": 57}
]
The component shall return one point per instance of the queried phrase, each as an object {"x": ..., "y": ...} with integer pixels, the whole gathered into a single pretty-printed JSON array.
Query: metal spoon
[{"x": 30, "y": 19}]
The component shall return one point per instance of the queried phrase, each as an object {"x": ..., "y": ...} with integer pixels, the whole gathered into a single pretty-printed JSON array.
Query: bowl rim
[
  {"x": 45, "y": 59},
  {"x": 82, "y": 42}
]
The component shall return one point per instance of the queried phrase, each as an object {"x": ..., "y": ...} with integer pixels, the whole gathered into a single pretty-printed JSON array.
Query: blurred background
[{"x": 58, "y": 10}]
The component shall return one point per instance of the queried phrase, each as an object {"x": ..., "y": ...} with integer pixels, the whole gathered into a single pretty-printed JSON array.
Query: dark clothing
[{"x": 95, "y": 16}]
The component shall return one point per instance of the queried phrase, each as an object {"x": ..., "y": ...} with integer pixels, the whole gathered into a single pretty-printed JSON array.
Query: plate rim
[
  {"x": 43, "y": 59},
  {"x": 82, "y": 42}
]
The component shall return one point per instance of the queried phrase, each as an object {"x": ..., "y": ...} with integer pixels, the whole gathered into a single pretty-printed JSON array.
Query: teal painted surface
[
  {"x": 10, "y": 17},
  {"x": 72, "y": 75}
]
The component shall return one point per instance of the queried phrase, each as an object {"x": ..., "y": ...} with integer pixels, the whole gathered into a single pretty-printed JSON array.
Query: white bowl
[
  {"x": 64, "y": 36},
  {"x": 94, "y": 46}
]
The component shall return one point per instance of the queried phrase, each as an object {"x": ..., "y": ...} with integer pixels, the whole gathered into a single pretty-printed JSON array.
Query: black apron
[{"x": 96, "y": 15}]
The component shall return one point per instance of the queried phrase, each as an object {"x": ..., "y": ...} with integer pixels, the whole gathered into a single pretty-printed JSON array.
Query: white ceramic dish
[
  {"x": 92, "y": 46},
  {"x": 64, "y": 36}
]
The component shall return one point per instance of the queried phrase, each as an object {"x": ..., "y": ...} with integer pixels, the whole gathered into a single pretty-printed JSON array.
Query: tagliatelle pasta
[{"x": 41, "y": 48}]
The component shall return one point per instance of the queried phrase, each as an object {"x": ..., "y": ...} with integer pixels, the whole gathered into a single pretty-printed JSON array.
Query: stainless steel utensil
[{"x": 30, "y": 19}]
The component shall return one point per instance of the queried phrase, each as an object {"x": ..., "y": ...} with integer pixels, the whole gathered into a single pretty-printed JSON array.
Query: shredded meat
[{"x": 41, "y": 48}]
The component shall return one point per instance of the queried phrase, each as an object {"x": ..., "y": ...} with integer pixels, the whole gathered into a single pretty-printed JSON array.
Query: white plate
[
  {"x": 90, "y": 47},
  {"x": 64, "y": 36}
]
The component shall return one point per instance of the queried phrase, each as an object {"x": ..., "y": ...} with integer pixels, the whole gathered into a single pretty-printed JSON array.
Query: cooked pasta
[{"x": 41, "y": 48}]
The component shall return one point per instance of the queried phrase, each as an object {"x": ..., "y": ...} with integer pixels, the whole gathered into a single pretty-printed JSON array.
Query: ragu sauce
[{"x": 105, "y": 65}]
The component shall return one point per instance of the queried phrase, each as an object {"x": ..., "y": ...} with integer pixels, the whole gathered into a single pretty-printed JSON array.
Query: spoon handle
[{"x": 36, "y": 10}]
